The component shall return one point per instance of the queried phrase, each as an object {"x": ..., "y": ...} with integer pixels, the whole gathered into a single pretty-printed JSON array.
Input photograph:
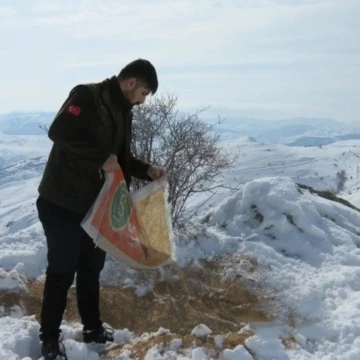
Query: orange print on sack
[{"x": 116, "y": 220}]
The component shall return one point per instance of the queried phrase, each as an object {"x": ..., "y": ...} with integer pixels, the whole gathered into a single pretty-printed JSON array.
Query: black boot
[
  {"x": 53, "y": 349},
  {"x": 100, "y": 335}
]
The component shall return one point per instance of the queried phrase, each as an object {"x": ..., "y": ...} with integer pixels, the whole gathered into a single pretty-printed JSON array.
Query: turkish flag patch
[{"x": 73, "y": 109}]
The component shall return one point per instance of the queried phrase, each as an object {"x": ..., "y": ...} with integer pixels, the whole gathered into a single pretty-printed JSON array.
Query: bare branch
[
  {"x": 185, "y": 146},
  {"x": 44, "y": 127}
]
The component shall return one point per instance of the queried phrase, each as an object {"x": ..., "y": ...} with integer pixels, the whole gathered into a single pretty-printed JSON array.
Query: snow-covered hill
[
  {"x": 284, "y": 131},
  {"x": 306, "y": 247},
  {"x": 317, "y": 167},
  {"x": 18, "y": 148},
  {"x": 309, "y": 247},
  {"x": 322, "y": 140},
  {"x": 305, "y": 251},
  {"x": 25, "y": 123}
]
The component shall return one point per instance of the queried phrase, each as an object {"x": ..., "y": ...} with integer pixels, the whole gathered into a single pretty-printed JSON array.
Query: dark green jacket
[{"x": 94, "y": 122}]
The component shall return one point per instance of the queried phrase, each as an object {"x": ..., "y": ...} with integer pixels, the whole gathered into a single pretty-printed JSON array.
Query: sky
[{"x": 267, "y": 59}]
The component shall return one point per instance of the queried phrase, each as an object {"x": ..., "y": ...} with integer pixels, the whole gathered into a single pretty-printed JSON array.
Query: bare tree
[
  {"x": 44, "y": 127},
  {"x": 185, "y": 146},
  {"x": 341, "y": 178}
]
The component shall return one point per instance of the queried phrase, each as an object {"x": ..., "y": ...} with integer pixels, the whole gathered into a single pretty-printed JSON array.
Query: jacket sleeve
[
  {"x": 73, "y": 129},
  {"x": 139, "y": 168}
]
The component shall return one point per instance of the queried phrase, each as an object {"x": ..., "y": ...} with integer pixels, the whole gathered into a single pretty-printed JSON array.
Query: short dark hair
[{"x": 143, "y": 70}]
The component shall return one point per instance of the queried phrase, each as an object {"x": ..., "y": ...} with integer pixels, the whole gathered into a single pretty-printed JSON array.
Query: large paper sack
[{"x": 136, "y": 228}]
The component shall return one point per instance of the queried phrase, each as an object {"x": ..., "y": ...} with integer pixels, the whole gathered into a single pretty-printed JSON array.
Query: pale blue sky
[{"x": 251, "y": 58}]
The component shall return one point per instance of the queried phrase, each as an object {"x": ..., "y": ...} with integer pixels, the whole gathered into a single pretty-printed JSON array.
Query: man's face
[{"x": 137, "y": 92}]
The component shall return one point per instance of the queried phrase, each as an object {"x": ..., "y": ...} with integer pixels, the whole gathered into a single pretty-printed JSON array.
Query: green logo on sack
[{"x": 120, "y": 208}]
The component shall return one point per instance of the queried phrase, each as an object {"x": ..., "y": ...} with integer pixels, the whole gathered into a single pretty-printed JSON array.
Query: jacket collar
[{"x": 117, "y": 97}]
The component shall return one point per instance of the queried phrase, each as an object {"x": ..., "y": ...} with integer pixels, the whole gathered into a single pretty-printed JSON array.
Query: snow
[
  {"x": 307, "y": 247},
  {"x": 25, "y": 123},
  {"x": 198, "y": 354},
  {"x": 21, "y": 148},
  {"x": 201, "y": 330},
  {"x": 18, "y": 338},
  {"x": 219, "y": 341},
  {"x": 12, "y": 280},
  {"x": 266, "y": 347},
  {"x": 176, "y": 344},
  {"x": 239, "y": 352},
  {"x": 353, "y": 198},
  {"x": 80, "y": 351},
  {"x": 309, "y": 243},
  {"x": 287, "y": 130},
  {"x": 123, "y": 336},
  {"x": 311, "y": 166}
]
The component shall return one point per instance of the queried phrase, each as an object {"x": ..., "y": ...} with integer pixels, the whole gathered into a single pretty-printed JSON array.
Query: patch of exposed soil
[{"x": 198, "y": 295}]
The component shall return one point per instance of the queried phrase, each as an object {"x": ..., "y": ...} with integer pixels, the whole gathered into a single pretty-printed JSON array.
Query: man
[{"x": 91, "y": 135}]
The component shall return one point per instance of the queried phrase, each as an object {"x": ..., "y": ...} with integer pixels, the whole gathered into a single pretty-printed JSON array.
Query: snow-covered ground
[
  {"x": 307, "y": 247},
  {"x": 15, "y": 148},
  {"x": 313, "y": 166}
]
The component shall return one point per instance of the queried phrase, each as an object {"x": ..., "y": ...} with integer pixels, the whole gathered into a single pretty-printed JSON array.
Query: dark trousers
[{"x": 70, "y": 251}]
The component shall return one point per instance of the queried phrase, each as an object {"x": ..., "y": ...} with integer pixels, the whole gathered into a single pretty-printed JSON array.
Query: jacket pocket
[{"x": 68, "y": 175}]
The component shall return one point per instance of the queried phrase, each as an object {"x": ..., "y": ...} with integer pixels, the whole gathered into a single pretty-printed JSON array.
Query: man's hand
[
  {"x": 111, "y": 164},
  {"x": 155, "y": 172}
]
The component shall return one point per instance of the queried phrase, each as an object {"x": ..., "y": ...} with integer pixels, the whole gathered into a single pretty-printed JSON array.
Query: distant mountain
[
  {"x": 25, "y": 123},
  {"x": 320, "y": 141},
  {"x": 295, "y": 132},
  {"x": 312, "y": 141},
  {"x": 287, "y": 130},
  {"x": 348, "y": 137}
]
